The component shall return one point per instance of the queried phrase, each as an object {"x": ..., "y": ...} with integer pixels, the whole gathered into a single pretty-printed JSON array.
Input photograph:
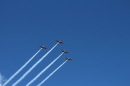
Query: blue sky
[{"x": 95, "y": 32}]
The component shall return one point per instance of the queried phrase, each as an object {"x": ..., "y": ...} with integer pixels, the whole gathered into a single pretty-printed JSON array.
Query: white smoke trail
[
  {"x": 2, "y": 79},
  {"x": 51, "y": 73},
  {"x": 44, "y": 70},
  {"x": 25, "y": 74},
  {"x": 16, "y": 73}
]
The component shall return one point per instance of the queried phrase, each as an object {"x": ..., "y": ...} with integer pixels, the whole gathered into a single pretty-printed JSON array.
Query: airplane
[
  {"x": 64, "y": 51},
  {"x": 43, "y": 47},
  {"x": 60, "y": 41},
  {"x": 68, "y": 59}
]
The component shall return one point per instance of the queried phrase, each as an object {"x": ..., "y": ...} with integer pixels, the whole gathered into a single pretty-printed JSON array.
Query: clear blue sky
[{"x": 95, "y": 32}]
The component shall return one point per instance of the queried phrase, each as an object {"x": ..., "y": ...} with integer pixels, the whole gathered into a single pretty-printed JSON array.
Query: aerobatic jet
[
  {"x": 64, "y": 51},
  {"x": 68, "y": 59},
  {"x": 60, "y": 41},
  {"x": 43, "y": 47}
]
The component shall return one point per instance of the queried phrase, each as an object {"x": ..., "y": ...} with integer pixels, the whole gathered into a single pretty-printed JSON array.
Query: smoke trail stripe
[
  {"x": 51, "y": 74},
  {"x": 25, "y": 74},
  {"x": 17, "y": 72},
  {"x": 44, "y": 70}
]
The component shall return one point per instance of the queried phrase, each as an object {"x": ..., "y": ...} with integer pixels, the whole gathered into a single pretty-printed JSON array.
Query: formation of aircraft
[
  {"x": 60, "y": 42},
  {"x": 64, "y": 51},
  {"x": 25, "y": 74}
]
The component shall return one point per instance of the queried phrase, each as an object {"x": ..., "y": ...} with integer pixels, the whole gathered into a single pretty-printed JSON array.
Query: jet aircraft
[
  {"x": 68, "y": 59},
  {"x": 60, "y": 41},
  {"x": 43, "y": 47},
  {"x": 64, "y": 51}
]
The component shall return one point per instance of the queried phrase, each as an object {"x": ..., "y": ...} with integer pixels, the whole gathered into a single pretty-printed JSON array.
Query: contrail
[
  {"x": 44, "y": 70},
  {"x": 17, "y": 72},
  {"x": 52, "y": 73},
  {"x": 25, "y": 74},
  {"x": 1, "y": 79}
]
